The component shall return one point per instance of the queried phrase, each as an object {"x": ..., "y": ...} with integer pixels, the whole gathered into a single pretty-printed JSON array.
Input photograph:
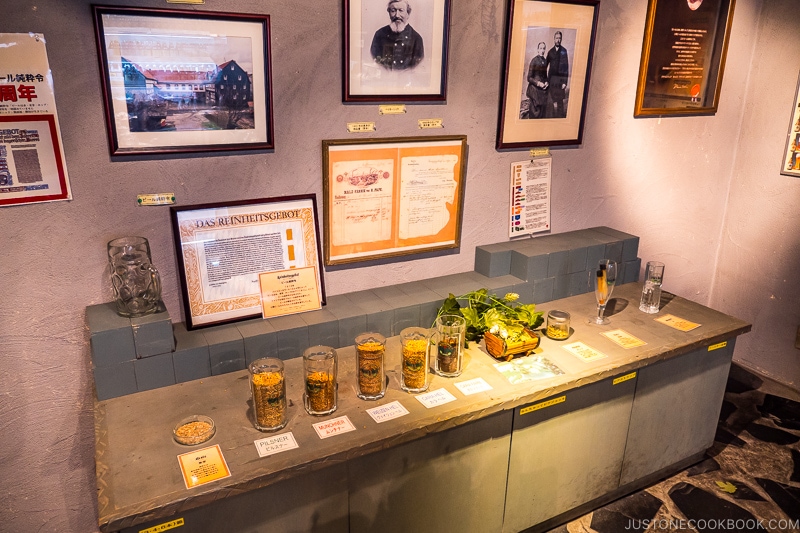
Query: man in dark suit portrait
[
  {"x": 558, "y": 76},
  {"x": 397, "y": 46}
]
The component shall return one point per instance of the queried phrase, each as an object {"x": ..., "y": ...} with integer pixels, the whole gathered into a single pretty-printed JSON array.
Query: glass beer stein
[{"x": 136, "y": 283}]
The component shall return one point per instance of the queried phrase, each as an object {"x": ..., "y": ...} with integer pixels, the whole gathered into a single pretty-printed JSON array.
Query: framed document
[
  {"x": 791, "y": 159},
  {"x": 184, "y": 81},
  {"x": 391, "y": 197},
  {"x": 392, "y": 54},
  {"x": 223, "y": 249},
  {"x": 548, "y": 60},
  {"x": 683, "y": 57}
]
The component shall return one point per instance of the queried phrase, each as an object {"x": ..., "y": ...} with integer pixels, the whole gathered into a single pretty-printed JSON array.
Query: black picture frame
[
  {"x": 170, "y": 92},
  {"x": 545, "y": 88},
  {"x": 683, "y": 57},
  {"x": 372, "y": 77},
  {"x": 249, "y": 228}
]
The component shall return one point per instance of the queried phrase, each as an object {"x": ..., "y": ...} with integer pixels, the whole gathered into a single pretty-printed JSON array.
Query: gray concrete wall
[
  {"x": 665, "y": 180},
  {"x": 759, "y": 256}
]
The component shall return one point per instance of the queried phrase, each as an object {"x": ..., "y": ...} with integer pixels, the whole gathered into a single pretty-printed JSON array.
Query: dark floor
[{"x": 750, "y": 480}]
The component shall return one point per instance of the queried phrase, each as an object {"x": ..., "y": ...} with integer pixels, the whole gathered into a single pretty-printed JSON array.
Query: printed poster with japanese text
[{"x": 32, "y": 165}]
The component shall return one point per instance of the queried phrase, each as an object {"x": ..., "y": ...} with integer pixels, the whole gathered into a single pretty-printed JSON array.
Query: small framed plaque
[{"x": 223, "y": 249}]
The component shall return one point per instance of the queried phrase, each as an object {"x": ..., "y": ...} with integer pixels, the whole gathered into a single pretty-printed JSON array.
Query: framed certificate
[
  {"x": 683, "y": 57},
  {"x": 392, "y": 197},
  {"x": 223, "y": 249}
]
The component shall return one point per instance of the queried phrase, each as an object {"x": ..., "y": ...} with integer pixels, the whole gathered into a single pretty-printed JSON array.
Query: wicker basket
[{"x": 505, "y": 351}]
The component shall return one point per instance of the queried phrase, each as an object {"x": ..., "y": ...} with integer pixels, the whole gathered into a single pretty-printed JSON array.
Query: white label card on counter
[
  {"x": 473, "y": 386},
  {"x": 387, "y": 412},
  {"x": 275, "y": 444},
  {"x": 584, "y": 352},
  {"x": 436, "y": 398},
  {"x": 334, "y": 426}
]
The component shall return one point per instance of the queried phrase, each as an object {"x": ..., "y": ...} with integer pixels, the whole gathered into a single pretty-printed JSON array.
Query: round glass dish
[{"x": 194, "y": 429}]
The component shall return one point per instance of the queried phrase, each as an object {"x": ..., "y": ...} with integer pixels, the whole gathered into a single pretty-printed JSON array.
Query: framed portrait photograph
[
  {"x": 395, "y": 50},
  {"x": 791, "y": 159},
  {"x": 184, "y": 81},
  {"x": 392, "y": 197},
  {"x": 683, "y": 57},
  {"x": 231, "y": 254},
  {"x": 548, "y": 60}
]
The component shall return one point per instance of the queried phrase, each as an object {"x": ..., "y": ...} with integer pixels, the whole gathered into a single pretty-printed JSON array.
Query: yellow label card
[
  {"x": 430, "y": 123},
  {"x": 203, "y": 466},
  {"x": 360, "y": 127},
  {"x": 678, "y": 323},
  {"x": 540, "y": 152},
  {"x": 392, "y": 109},
  {"x": 717, "y": 346},
  {"x": 623, "y": 338},
  {"x": 542, "y": 405},
  {"x": 164, "y": 198},
  {"x": 583, "y": 352},
  {"x": 289, "y": 291},
  {"x": 178, "y": 522},
  {"x": 624, "y": 378}
]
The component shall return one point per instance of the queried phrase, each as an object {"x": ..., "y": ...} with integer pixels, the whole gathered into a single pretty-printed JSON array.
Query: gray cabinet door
[
  {"x": 314, "y": 502},
  {"x": 675, "y": 411},
  {"x": 567, "y": 450},
  {"x": 453, "y": 481}
]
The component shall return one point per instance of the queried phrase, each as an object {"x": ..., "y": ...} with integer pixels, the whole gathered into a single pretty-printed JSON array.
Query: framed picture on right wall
[{"x": 791, "y": 159}]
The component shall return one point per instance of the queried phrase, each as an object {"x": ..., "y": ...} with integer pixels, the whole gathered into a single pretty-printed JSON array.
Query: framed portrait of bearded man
[{"x": 395, "y": 50}]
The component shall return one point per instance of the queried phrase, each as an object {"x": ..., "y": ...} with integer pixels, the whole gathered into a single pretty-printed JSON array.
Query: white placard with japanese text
[
  {"x": 32, "y": 164},
  {"x": 334, "y": 426},
  {"x": 530, "y": 196},
  {"x": 436, "y": 398}
]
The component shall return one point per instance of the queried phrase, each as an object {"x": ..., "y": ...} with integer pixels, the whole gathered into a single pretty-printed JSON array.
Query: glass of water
[{"x": 651, "y": 293}]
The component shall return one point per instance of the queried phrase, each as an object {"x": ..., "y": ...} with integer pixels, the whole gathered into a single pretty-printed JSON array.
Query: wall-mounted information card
[{"x": 530, "y": 196}]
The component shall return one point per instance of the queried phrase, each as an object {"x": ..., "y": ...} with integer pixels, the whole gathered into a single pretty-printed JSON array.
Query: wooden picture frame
[
  {"x": 548, "y": 62},
  {"x": 791, "y": 157},
  {"x": 392, "y": 197},
  {"x": 395, "y": 50},
  {"x": 683, "y": 57},
  {"x": 198, "y": 82},
  {"x": 222, "y": 248}
]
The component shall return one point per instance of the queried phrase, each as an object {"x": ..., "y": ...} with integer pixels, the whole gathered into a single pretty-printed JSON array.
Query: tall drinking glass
[
  {"x": 651, "y": 292},
  {"x": 602, "y": 280}
]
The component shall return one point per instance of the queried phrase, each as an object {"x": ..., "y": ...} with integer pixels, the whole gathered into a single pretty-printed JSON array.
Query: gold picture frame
[
  {"x": 392, "y": 197},
  {"x": 683, "y": 57},
  {"x": 791, "y": 156}
]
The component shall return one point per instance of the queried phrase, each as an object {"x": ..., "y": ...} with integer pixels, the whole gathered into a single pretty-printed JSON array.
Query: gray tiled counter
[{"x": 140, "y": 484}]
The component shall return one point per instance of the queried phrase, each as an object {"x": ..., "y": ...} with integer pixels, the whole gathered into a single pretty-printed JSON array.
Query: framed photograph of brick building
[{"x": 184, "y": 81}]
